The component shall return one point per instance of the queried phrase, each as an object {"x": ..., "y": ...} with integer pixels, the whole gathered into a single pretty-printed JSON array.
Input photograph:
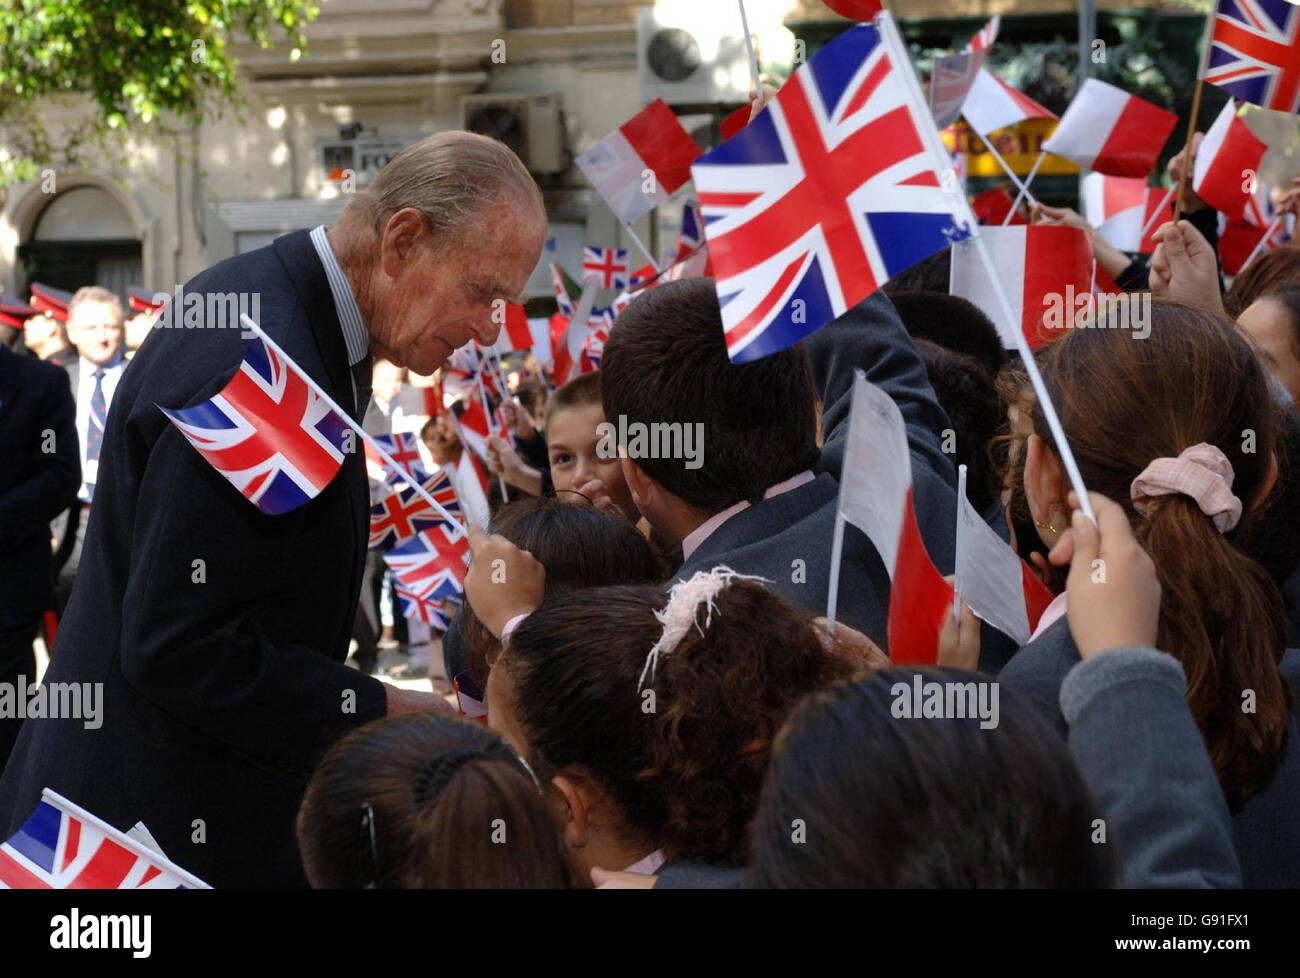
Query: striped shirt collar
[{"x": 355, "y": 336}]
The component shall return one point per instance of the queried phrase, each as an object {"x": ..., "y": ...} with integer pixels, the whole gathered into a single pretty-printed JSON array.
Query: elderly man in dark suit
[
  {"x": 38, "y": 443},
  {"x": 219, "y": 632}
]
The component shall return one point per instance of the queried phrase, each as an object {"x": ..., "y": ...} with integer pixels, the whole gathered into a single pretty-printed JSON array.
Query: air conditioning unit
[
  {"x": 690, "y": 63},
  {"x": 531, "y": 125}
]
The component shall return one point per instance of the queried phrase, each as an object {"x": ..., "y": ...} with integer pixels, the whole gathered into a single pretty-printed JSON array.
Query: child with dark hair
[
  {"x": 745, "y": 482},
  {"x": 580, "y": 547},
  {"x": 1272, "y": 324},
  {"x": 967, "y": 394},
  {"x": 428, "y": 802},
  {"x": 930, "y": 274},
  {"x": 863, "y": 793},
  {"x": 649, "y": 717},
  {"x": 953, "y": 323},
  {"x": 1179, "y": 428}
]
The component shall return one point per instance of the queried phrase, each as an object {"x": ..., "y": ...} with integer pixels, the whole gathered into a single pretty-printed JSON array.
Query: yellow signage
[{"x": 1019, "y": 145}]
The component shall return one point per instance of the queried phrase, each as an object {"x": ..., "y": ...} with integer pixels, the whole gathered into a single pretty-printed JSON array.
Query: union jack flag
[
  {"x": 608, "y": 266},
  {"x": 830, "y": 190},
  {"x": 692, "y": 235},
  {"x": 420, "y": 606},
  {"x": 1255, "y": 52},
  {"x": 273, "y": 437},
  {"x": 404, "y": 513},
  {"x": 565, "y": 290},
  {"x": 64, "y": 847},
  {"x": 404, "y": 449},
  {"x": 432, "y": 563}
]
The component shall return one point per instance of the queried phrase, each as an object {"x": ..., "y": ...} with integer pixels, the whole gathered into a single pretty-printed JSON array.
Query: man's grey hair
[
  {"x": 450, "y": 177},
  {"x": 96, "y": 293}
]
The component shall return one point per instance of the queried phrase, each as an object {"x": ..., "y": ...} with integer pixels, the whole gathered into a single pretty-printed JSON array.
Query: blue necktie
[{"x": 95, "y": 427}]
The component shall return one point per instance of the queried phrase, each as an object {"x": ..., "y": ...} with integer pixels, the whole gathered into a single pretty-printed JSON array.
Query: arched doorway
[{"x": 83, "y": 236}]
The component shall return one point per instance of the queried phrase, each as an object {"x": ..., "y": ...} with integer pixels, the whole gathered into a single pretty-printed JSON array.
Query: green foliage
[{"x": 154, "y": 66}]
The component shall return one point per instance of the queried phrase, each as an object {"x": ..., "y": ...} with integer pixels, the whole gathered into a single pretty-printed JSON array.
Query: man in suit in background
[
  {"x": 39, "y": 477},
  {"x": 219, "y": 633},
  {"x": 95, "y": 329}
]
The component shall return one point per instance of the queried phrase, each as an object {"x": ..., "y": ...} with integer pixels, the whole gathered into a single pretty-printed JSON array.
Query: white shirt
[
  {"x": 705, "y": 529},
  {"x": 86, "y": 391}
]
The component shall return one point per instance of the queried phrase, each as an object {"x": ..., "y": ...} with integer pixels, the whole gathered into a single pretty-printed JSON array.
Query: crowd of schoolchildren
[{"x": 667, "y": 707}]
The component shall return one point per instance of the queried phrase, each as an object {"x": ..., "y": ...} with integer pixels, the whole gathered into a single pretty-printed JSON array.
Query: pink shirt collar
[
  {"x": 648, "y": 865},
  {"x": 1056, "y": 609},
  {"x": 702, "y": 532}
]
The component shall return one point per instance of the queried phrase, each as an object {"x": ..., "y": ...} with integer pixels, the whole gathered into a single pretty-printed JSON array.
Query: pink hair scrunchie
[{"x": 1202, "y": 472}]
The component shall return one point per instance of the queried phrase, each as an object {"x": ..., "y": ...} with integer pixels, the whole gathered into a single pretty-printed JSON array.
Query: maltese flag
[
  {"x": 1116, "y": 207},
  {"x": 993, "y": 104},
  {"x": 653, "y": 140},
  {"x": 1045, "y": 270},
  {"x": 1110, "y": 131},
  {"x": 876, "y": 497},
  {"x": 999, "y": 587},
  {"x": 1227, "y": 165}
]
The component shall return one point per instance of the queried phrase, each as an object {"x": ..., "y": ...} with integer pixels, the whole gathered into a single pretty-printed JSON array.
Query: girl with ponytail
[{"x": 1179, "y": 428}]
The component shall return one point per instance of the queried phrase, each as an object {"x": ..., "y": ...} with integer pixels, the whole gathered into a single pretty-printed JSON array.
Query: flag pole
[
  {"x": 1164, "y": 202},
  {"x": 837, "y": 550},
  {"x": 1035, "y": 378},
  {"x": 1268, "y": 233},
  {"x": 627, "y": 226},
  {"x": 956, "y": 580},
  {"x": 753, "y": 59},
  {"x": 1025, "y": 189},
  {"x": 1196, "y": 109},
  {"x": 487, "y": 409},
  {"x": 962, "y": 212},
  {"x": 351, "y": 423}
]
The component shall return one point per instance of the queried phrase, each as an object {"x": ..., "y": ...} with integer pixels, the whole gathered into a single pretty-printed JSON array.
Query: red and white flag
[
  {"x": 568, "y": 334},
  {"x": 859, "y": 10},
  {"x": 475, "y": 427},
  {"x": 1116, "y": 207},
  {"x": 993, "y": 104},
  {"x": 1226, "y": 172},
  {"x": 999, "y": 587},
  {"x": 654, "y": 140},
  {"x": 1046, "y": 269},
  {"x": 515, "y": 332},
  {"x": 876, "y": 497},
  {"x": 1110, "y": 131}
]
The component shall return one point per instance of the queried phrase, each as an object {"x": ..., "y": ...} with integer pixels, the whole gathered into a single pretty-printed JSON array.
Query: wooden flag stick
[
  {"x": 1025, "y": 189},
  {"x": 1187, "y": 149},
  {"x": 1196, "y": 109},
  {"x": 378, "y": 449},
  {"x": 753, "y": 59}
]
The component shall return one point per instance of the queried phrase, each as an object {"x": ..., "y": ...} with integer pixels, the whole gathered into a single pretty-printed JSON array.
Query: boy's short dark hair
[
  {"x": 666, "y": 362},
  {"x": 583, "y": 389},
  {"x": 953, "y": 323}
]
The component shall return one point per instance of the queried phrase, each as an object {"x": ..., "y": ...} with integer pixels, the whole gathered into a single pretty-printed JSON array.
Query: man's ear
[
  {"x": 578, "y": 800},
  {"x": 641, "y": 485},
  {"x": 1044, "y": 481},
  {"x": 405, "y": 231}
]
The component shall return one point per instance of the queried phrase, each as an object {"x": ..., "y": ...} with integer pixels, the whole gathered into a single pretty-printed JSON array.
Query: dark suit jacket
[
  {"x": 219, "y": 633},
  {"x": 1265, "y": 830},
  {"x": 35, "y": 484},
  {"x": 767, "y": 538}
]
